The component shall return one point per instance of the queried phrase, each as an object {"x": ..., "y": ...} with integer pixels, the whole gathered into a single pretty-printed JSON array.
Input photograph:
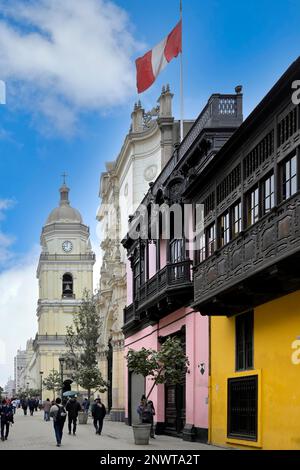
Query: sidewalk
[{"x": 31, "y": 432}]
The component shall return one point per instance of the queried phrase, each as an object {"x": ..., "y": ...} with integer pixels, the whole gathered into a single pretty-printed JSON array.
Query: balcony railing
[
  {"x": 49, "y": 338},
  {"x": 67, "y": 257},
  {"x": 129, "y": 314},
  {"x": 166, "y": 282},
  {"x": 220, "y": 111},
  {"x": 255, "y": 266}
]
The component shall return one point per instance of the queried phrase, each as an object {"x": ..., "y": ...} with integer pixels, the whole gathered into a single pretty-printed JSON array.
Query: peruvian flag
[{"x": 154, "y": 61}]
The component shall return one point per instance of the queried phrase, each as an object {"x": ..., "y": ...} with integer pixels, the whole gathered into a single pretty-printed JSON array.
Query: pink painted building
[
  {"x": 166, "y": 290},
  {"x": 160, "y": 280}
]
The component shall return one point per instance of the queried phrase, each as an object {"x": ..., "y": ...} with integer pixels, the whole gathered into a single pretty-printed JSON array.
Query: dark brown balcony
[
  {"x": 259, "y": 265},
  {"x": 169, "y": 289}
]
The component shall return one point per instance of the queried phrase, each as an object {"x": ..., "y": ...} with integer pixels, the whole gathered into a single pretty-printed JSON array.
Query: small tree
[
  {"x": 53, "y": 382},
  {"x": 82, "y": 342},
  {"x": 29, "y": 392},
  {"x": 168, "y": 365}
]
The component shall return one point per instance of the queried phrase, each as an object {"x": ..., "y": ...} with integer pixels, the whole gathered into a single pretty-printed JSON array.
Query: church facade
[{"x": 64, "y": 271}]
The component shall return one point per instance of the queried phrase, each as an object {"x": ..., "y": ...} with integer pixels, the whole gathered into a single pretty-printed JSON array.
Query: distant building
[
  {"x": 25, "y": 379},
  {"x": 10, "y": 388},
  {"x": 19, "y": 367}
]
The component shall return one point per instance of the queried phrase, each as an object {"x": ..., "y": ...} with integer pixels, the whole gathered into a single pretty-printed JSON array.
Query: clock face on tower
[{"x": 67, "y": 246}]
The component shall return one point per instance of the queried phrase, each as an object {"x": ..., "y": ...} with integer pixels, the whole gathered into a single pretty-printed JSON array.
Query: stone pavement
[{"x": 32, "y": 433}]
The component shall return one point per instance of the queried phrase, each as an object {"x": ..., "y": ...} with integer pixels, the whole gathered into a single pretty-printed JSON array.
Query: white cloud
[
  {"x": 5, "y": 204},
  {"x": 60, "y": 58},
  {"x": 18, "y": 300}
]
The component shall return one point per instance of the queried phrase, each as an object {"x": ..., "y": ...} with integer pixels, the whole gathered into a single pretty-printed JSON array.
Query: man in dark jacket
[
  {"x": 98, "y": 413},
  {"x": 31, "y": 404},
  {"x": 24, "y": 404},
  {"x": 7, "y": 417},
  {"x": 72, "y": 407}
]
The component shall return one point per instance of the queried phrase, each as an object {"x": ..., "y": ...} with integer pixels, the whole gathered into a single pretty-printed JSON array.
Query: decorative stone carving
[{"x": 150, "y": 172}]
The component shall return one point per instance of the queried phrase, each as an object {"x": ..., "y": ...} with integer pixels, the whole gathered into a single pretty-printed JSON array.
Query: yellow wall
[{"x": 277, "y": 362}]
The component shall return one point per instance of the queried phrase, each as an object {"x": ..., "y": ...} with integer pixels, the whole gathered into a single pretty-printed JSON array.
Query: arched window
[{"x": 67, "y": 286}]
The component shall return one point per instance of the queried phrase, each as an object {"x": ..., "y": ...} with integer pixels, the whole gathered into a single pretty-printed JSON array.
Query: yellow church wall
[
  {"x": 53, "y": 322},
  {"x": 51, "y": 280},
  {"x": 277, "y": 364}
]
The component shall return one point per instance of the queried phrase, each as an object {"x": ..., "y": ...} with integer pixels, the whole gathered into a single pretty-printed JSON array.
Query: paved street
[{"x": 33, "y": 433}]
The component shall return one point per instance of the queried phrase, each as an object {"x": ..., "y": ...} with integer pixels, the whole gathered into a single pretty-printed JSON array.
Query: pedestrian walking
[
  {"x": 150, "y": 413},
  {"x": 73, "y": 408},
  {"x": 36, "y": 404},
  {"x": 141, "y": 408},
  {"x": 24, "y": 404},
  {"x": 14, "y": 405},
  {"x": 98, "y": 413},
  {"x": 7, "y": 417},
  {"x": 31, "y": 405},
  {"x": 58, "y": 413},
  {"x": 47, "y": 407},
  {"x": 146, "y": 412},
  {"x": 86, "y": 405}
]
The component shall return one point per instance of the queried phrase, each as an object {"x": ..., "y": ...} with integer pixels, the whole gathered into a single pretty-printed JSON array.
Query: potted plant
[
  {"x": 164, "y": 366},
  {"x": 82, "y": 417}
]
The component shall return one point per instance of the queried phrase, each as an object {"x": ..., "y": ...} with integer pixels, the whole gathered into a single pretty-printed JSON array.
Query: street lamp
[
  {"x": 61, "y": 362},
  {"x": 41, "y": 374}
]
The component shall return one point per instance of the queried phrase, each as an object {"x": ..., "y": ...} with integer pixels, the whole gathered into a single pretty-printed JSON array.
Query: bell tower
[{"x": 65, "y": 270}]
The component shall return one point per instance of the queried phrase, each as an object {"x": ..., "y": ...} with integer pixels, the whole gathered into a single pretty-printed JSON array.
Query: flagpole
[{"x": 181, "y": 81}]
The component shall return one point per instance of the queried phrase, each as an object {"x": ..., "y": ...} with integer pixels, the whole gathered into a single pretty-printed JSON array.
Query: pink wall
[
  {"x": 163, "y": 253},
  {"x": 129, "y": 282},
  {"x": 146, "y": 338},
  {"x": 152, "y": 259},
  {"x": 197, "y": 352},
  {"x": 196, "y": 383}
]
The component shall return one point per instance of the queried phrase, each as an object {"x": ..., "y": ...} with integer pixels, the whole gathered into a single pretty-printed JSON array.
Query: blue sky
[{"x": 73, "y": 115}]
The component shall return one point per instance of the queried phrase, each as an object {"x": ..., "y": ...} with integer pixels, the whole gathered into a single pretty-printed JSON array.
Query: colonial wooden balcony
[
  {"x": 262, "y": 263},
  {"x": 169, "y": 289},
  {"x": 221, "y": 111}
]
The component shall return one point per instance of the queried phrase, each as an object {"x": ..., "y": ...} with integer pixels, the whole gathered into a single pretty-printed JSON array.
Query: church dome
[{"x": 64, "y": 213}]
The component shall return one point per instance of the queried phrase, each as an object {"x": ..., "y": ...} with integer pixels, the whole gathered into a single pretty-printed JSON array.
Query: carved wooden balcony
[
  {"x": 262, "y": 263},
  {"x": 169, "y": 289}
]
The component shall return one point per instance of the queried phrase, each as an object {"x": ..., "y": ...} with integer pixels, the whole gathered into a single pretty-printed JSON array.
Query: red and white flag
[{"x": 154, "y": 61}]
